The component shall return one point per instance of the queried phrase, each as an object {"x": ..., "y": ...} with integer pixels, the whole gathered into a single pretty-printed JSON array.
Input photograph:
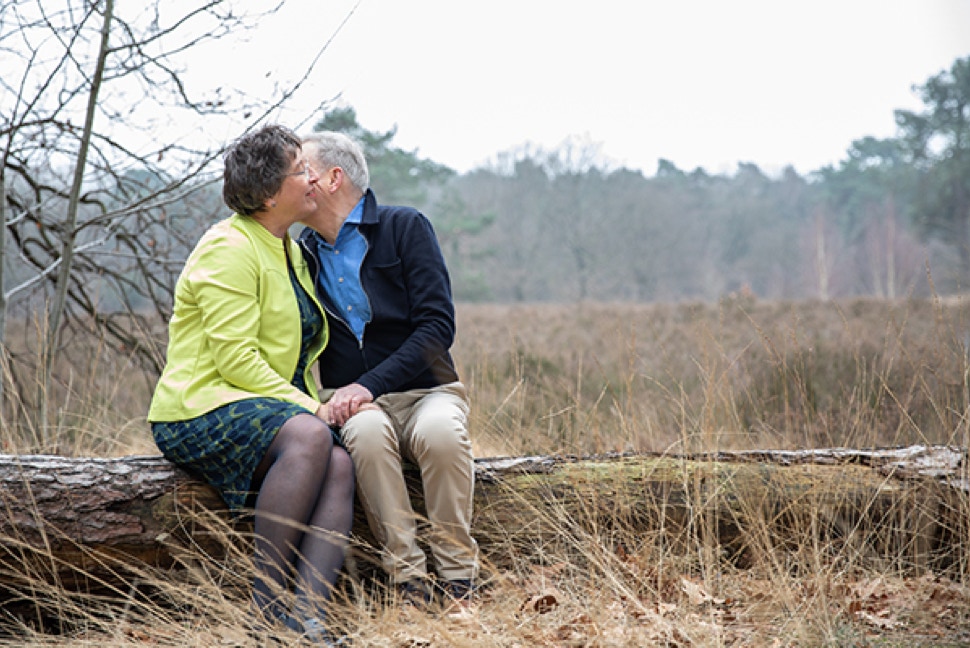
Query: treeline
[
  {"x": 892, "y": 219},
  {"x": 563, "y": 234}
]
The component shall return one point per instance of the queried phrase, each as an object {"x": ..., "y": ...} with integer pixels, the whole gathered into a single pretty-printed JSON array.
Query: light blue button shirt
[{"x": 340, "y": 272}]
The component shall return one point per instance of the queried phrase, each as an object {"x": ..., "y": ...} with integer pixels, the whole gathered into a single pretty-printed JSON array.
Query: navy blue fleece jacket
[{"x": 412, "y": 327}]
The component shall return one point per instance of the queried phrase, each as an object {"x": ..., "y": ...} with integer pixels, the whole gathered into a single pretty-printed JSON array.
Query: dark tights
[{"x": 304, "y": 480}]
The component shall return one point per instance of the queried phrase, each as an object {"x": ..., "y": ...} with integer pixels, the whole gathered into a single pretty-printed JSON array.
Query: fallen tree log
[{"x": 74, "y": 519}]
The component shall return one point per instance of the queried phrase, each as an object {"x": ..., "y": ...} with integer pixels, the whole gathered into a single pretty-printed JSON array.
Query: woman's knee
[
  {"x": 342, "y": 464},
  {"x": 340, "y": 482},
  {"x": 306, "y": 435}
]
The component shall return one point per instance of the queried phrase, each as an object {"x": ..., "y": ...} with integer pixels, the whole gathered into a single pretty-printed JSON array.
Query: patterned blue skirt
[{"x": 224, "y": 446}]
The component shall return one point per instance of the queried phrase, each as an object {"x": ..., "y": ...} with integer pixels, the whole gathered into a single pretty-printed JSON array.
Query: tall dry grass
[
  {"x": 587, "y": 379},
  {"x": 737, "y": 375}
]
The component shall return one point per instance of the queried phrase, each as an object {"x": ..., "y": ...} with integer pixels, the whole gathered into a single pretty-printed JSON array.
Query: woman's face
[{"x": 296, "y": 196}]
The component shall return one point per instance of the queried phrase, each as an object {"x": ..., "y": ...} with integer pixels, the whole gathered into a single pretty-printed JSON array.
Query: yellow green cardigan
[{"x": 235, "y": 329}]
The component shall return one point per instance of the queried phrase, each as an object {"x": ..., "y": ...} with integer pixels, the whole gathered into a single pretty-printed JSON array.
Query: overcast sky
[{"x": 703, "y": 83}]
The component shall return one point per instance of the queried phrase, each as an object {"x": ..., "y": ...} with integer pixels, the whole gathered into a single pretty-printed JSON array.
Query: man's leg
[
  {"x": 370, "y": 438},
  {"x": 435, "y": 437}
]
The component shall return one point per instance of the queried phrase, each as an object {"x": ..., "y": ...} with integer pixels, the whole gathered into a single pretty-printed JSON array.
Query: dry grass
[
  {"x": 738, "y": 375},
  {"x": 586, "y": 379}
]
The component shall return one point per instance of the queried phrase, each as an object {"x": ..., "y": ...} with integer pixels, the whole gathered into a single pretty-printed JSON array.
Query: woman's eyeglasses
[{"x": 305, "y": 171}]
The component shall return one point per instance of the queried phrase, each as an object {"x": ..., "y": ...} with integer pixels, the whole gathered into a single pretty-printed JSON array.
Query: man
[{"x": 380, "y": 274}]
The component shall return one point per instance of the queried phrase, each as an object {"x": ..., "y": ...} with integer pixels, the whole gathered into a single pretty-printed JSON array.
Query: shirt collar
[{"x": 356, "y": 214}]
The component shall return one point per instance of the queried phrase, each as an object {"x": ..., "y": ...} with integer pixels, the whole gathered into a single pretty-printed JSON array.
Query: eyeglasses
[{"x": 304, "y": 172}]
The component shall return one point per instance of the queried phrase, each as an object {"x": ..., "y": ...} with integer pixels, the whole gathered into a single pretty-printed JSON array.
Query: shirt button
[
  {"x": 350, "y": 308},
  {"x": 340, "y": 280}
]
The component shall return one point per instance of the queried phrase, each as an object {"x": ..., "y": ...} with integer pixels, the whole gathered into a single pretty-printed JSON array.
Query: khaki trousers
[{"x": 427, "y": 427}]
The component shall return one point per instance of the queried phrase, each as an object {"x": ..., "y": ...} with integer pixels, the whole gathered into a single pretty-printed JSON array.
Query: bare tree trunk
[
  {"x": 3, "y": 295},
  {"x": 891, "y": 248},
  {"x": 821, "y": 263},
  {"x": 70, "y": 226}
]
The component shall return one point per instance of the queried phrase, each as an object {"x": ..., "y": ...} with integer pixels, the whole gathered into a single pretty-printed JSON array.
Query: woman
[{"x": 236, "y": 403}]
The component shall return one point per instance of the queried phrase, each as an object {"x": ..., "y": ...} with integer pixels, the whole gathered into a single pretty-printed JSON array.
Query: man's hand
[{"x": 347, "y": 401}]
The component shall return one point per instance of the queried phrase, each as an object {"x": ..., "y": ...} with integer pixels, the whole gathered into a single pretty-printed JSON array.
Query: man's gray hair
[{"x": 329, "y": 149}]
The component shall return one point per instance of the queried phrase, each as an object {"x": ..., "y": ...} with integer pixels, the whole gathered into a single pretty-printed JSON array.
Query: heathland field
[
  {"x": 590, "y": 379},
  {"x": 741, "y": 374}
]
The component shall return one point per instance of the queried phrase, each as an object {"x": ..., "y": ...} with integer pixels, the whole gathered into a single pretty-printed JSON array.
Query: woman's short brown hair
[{"x": 256, "y": 165}]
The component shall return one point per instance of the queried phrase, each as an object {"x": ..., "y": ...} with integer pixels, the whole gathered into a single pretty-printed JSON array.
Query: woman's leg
[
  {"x": 289, "y": 479},
  {"x": 321, "y": 553}
]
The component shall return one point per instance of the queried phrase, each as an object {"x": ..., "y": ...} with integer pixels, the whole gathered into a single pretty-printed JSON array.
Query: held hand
[
  {"x": 323, "y": 413},
  {"x": 347, "y": 401}
]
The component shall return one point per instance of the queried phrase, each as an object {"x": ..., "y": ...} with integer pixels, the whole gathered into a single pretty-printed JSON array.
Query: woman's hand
[{"x": 323, "y": 413}]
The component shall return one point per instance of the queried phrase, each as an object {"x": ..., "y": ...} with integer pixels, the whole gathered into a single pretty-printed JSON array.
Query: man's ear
[{"x": 335, "y": 179}]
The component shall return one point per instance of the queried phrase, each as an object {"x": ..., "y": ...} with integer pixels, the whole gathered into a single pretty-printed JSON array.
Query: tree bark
[{"x": 75, "y": 520}]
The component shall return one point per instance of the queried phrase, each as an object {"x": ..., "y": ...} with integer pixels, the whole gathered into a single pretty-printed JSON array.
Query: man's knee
[
  {"x": 443, "y": 438},
  {"x": 369, "y": 433}
]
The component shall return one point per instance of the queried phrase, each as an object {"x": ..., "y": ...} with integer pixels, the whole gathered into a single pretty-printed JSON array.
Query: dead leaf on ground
[
  {"x": 540, "y": 603},
  {"x": 881, "y": 620},
  {"x": 410, "y": 641},
  {"x": 697, "y": 595}
]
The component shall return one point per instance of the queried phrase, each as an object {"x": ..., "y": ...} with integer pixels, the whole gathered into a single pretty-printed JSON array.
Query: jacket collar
[
  {"x": 369, "y": 216},
  {"x": 252, "y": 227}
]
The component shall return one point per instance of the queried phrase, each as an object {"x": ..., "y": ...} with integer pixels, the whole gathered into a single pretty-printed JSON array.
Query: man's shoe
[
  {"x": 414, "y": 593},
  {"x": 458, "y": 598}
]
